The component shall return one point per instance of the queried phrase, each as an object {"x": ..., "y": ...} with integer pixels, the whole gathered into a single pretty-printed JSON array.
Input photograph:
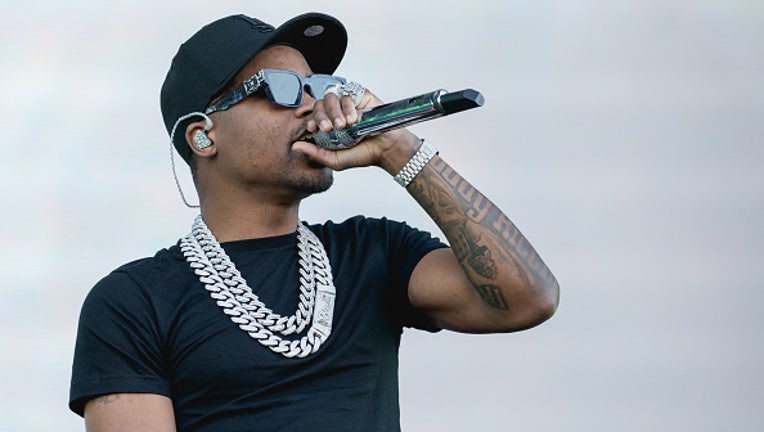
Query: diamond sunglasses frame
[{"x": 260, "y": 80}]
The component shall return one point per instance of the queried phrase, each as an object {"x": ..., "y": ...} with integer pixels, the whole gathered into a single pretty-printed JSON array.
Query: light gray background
[{"x": 624, "y": 138}]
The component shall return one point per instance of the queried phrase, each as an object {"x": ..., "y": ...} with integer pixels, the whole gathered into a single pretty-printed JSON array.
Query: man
[{"x": 197, "y": 338}]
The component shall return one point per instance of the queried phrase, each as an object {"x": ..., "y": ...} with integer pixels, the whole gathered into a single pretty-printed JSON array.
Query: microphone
[{"x": 396, "y": 115}]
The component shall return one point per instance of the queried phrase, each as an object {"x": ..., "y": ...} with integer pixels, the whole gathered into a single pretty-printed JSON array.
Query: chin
[{"x": 321, "y": 182}]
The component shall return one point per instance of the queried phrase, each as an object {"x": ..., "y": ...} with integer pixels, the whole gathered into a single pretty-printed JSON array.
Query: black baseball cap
[{"x": 207, "y": 62}]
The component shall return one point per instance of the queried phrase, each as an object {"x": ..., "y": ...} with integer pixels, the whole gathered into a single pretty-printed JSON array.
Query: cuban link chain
[{"x": 231, "y": 293}]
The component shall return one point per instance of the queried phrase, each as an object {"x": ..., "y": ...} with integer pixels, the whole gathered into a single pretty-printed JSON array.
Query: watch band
[{"x": 416, "y": 163}]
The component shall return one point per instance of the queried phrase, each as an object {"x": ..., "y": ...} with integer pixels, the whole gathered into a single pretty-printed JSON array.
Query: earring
[{"x": 201, "y": 141}]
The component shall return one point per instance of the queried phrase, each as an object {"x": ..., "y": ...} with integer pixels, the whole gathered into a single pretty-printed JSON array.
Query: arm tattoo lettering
[
  {"x": 440, "y": 203},
  {"x": 479, "y": 233}
]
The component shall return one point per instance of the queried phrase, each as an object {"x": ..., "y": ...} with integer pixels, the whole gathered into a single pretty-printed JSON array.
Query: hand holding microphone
[{"x": 396, "y": 115}]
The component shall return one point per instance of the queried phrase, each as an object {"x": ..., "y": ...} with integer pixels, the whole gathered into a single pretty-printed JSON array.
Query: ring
[
  {"x": 333, "y": 89},
  {"x": 353, "y": 90}
]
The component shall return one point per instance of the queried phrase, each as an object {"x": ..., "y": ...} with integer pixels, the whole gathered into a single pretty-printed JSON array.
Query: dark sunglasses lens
[{"x": 284, "y": 88}]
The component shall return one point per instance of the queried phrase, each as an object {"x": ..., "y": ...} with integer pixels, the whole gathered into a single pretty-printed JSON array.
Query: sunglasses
[{"x": 282, "y": 87}]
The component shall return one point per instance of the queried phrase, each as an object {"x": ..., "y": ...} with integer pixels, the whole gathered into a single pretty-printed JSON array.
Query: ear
[{"x": 197, "y": 130}]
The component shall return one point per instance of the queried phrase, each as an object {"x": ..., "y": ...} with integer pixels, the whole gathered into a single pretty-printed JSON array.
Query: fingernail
[{"x": 326, "y": 126}]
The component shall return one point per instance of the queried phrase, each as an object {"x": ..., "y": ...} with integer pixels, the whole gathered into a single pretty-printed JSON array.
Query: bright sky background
[{"x": 624, "y": 138}]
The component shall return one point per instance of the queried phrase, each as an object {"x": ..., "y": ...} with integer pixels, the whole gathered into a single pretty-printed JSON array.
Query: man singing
[{"x": 256, "y": 321}]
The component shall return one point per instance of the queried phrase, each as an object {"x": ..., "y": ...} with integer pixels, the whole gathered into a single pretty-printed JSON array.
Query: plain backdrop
[{"x": 623, "y": 138}]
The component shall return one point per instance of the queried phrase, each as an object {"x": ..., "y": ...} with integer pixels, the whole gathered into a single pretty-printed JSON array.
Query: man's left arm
[{"x": 491, "y": 279}]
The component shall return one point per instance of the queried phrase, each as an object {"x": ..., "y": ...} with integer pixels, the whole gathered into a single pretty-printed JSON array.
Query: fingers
[
  {"x": 337, "y": 160},
  {"x": 334, "y": 112},
  {"x": 339, "y": 107},
  {"x": 318, "y": 154}
]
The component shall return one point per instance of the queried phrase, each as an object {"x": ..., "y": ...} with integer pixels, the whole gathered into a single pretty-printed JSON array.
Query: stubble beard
[{"x": 317, "y": 182}]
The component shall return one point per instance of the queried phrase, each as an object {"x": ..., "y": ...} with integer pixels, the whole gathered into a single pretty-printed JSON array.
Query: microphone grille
[{"x": 334, "y": 140}]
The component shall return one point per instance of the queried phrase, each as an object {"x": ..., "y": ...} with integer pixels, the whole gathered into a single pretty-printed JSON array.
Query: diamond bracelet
[{"x": 416, "y": 163}]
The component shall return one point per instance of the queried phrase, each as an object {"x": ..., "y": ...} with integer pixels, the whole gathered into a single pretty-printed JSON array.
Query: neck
[{"x": 242, "y": 222}]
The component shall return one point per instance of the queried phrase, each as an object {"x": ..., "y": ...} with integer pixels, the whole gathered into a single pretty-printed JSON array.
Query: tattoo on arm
[
  {"x": 468, "y": 248},
  {"x": 479, "y": 232},
  {"x": 492, "y": 295}
]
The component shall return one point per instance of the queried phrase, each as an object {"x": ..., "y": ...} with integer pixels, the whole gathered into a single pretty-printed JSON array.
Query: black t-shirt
[{"x": 151, "y": 327}]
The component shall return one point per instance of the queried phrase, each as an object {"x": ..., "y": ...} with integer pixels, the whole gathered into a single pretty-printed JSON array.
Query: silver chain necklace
[{"x": 230, "y": 291}]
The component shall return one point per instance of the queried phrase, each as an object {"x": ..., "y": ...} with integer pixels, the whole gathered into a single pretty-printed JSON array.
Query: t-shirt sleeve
[
  {"x": 408, "y": 247},
  {"x": 118, "y": 345}
]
